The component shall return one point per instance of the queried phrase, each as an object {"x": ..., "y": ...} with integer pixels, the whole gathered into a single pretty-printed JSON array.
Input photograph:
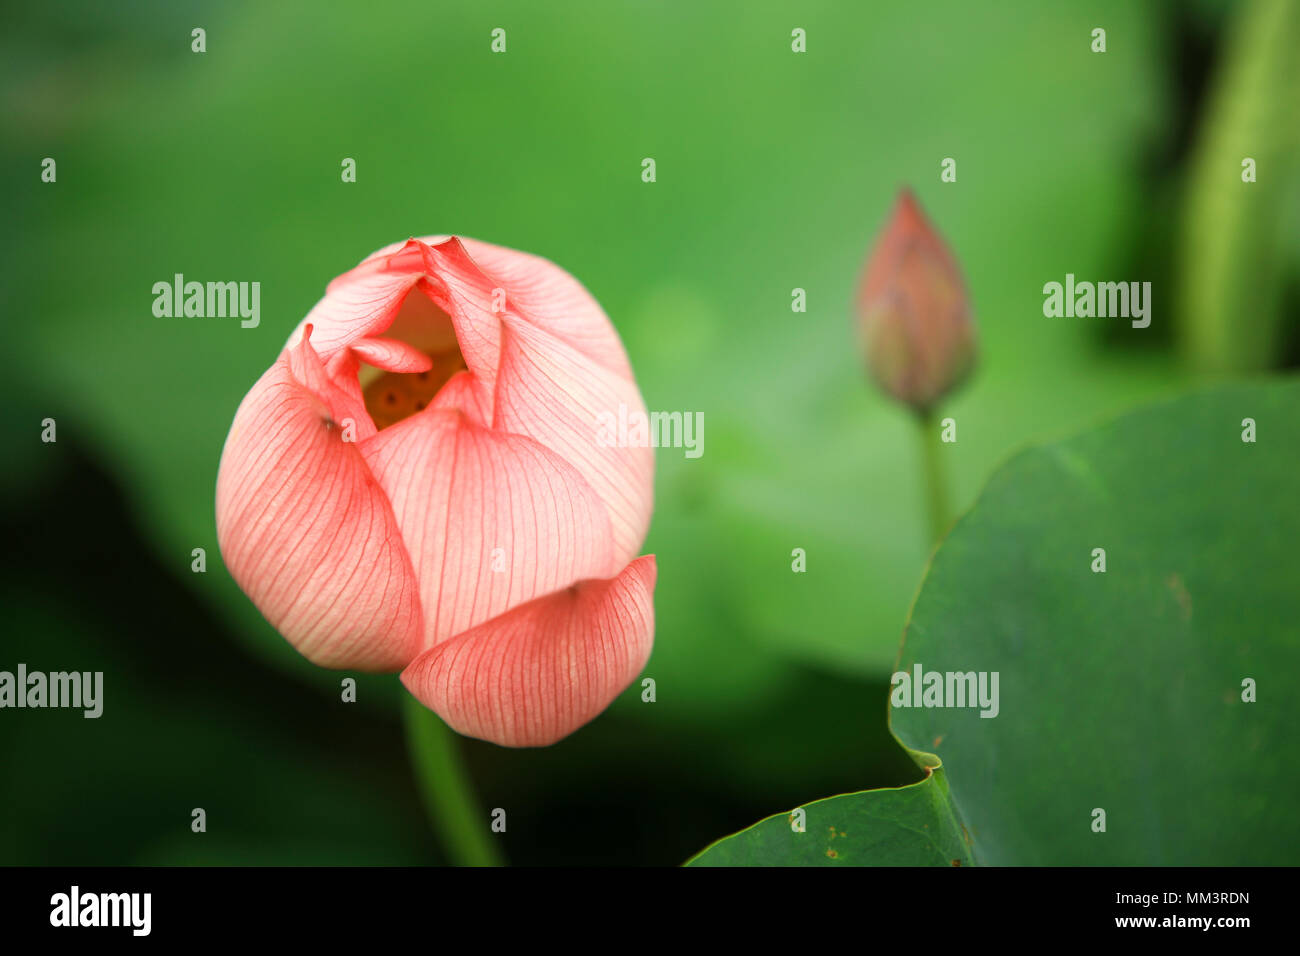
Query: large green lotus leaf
[
  {"x": 916, "y": 825},
  {"x": 226, "y": 166},
  {"x": 1120, "y": 690}
]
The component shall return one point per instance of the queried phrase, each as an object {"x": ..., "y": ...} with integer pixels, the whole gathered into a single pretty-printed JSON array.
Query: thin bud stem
[{"x": 936, "y": 485}]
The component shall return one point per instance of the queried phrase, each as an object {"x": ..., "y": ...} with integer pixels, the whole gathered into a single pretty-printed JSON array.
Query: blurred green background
[{"x": 774, "y": 172}]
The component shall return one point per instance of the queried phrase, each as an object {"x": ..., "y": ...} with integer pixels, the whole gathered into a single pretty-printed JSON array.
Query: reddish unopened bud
[{"x": 913, "y": 312}]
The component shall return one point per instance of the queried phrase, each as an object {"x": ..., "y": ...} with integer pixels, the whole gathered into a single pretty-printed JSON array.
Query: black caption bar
[{"x": 337, "y": 905}]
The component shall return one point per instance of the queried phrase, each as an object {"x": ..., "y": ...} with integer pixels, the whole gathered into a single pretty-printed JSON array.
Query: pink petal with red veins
[
  {"x": 543, "y": 360},
  {"x": 306, "y": 531},
  {"x": 552, "y": 393},
  {"x": 542, "y": 293},
  {"x": 392, "y": 355},
  {"x": 557, "y": 366},
  {"x": 468, "y": 498},
  {"x": 337, "y": 388},
  {"x": 536, "y": 674},
  {"x": 461, "y": 393},
  {"x": 362, "y": 303},
  {"x": 461, "y": 289}
]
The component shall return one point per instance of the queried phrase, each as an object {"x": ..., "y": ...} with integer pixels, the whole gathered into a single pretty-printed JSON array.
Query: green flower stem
[
  {"x": 449, "y": 802},
  {"x": 936, "y": 485}
]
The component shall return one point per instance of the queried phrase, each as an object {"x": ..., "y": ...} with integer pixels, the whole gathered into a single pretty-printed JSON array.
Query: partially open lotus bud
[
  {"x": 913, "y": 313},
  {"x": 416, "y": 485}
]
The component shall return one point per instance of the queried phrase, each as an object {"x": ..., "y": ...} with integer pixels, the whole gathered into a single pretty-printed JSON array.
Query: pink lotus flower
[{"x": 416, "y": 484}]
